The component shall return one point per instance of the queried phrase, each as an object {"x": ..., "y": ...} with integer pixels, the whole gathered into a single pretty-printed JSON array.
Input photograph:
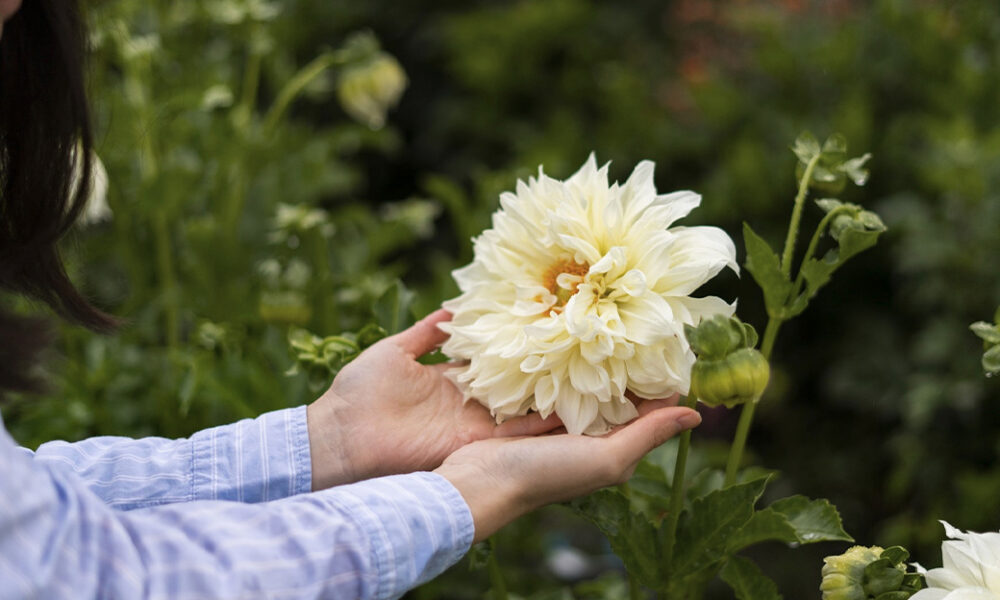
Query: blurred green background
[{"x": 235, "y": 220}]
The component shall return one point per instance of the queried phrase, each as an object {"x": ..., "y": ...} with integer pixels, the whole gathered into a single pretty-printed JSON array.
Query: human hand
[
  {"x": 501, "y": 479},
  {"x": 385, "y": 413}
]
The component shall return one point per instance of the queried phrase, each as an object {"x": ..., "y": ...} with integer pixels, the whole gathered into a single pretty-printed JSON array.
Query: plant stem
[
  {"x": 295, "y": 86},
  {"x": 736, "y": 451},
  {"x": 774, "y": 323},
  {"x": 496, "y": 575},
  {"x": 793, "y": 226},
  {"x": 677, "y": 488},
  {"x": 251, "y": 83},
  {"x": 746, "y": 416},
  {"x": 812, "y": 245}
]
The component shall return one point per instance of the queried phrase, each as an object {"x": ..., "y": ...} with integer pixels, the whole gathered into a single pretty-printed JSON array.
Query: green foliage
[
  {"x": 885, "y": 385},
  {"x": 710, "y": 531},
  {"x": 747, "y": 581},
  {"x": 990, "y": 334}
]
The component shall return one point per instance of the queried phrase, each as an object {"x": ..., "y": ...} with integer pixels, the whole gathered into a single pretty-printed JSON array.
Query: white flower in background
[
  {"x": 579, "y": 293},
  {"x": 96, "y": 210},
  {"x": 971, "y": 568}
]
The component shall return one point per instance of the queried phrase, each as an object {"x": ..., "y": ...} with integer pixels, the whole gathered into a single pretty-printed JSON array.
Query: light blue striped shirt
[{"x": 223, "y": 514}]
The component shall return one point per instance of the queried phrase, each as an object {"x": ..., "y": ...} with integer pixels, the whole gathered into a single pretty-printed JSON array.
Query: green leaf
[
  {"x": 796, "y": 519},
  {"x": 706, "y": 482},
  {"x": 853, "y": 241},
  {"x": 704, "y": 531},
  {"x": 747, "y": 581},
  {"x": 835, "y": 145},
  {"x": 895, "y": 554},
  {"x": 765, "y": 267},
  {"x": 370, "y": 334},
  {"x": 479, "y": 556},
  {"x": 881, "y": 576},
  {"x": 813, "y": 520},
  {"x": 806, "y": 147},
  {"x": 764, "y": 525},
  {"x": 650, "y": 489},
  {"x": 991, "y": 360},
  {"x": 829, "y": 204},
  {"x": 860, "y": 234},
  {"x": 392, "y": 309},
  {"x": 633, "y": 538},
  {"x": 987, "y": 331},
  {"x": 854, "y": 169}
]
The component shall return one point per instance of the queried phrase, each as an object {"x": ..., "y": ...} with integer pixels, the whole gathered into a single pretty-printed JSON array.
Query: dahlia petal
[
  {"x": 617, "y": 412},
  {"x": 576, "y": 412},
  {"x": 583, "y": 251},
  {"x": 587, "y": 378},
  {"x": 696, "y": 255},
  {"x": 647, "y": 319}
]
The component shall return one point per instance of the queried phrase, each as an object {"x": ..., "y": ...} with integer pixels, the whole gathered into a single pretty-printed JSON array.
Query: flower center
[{"x": 569, "y": 285}]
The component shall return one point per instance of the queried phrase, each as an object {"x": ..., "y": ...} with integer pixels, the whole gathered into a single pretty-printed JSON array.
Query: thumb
[
  {"x": 639, "y": 437},
  {"x": 424, "y": 335}
]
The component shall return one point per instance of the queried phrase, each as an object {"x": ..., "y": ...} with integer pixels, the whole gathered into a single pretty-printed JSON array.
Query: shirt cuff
[
  {"x": 253, "y": 460},
  {"x": 418, "y": 525}
]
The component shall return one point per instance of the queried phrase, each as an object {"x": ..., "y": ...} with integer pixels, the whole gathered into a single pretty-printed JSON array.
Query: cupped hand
[
  {"x": 385, "y": 413},
  {"x": 501, "y": 479}
]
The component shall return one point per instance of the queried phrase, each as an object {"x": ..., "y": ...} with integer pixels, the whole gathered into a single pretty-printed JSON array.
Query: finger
[
  {"x": 531, "y": 424},
  {"x": 635, "y": 440},
  {"x": 424, "y": 335}
]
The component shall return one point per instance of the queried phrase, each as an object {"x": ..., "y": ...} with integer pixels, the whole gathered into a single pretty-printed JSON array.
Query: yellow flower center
[{"x": 551, "y": 276}]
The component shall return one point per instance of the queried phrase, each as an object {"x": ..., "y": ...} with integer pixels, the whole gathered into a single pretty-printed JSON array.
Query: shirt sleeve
[
  {"x": 253, "y": 460},
  {"x": 369, "y": 540}
]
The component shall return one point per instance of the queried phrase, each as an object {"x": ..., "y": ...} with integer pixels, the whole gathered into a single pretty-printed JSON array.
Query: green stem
[
  {"x": 295, "y": 86},
  {"x": 811, "y": 250},
  {"x": 496, "y": 575},
  {"x": 251, "y": 82},
  {"x": 746, "y": 416},
  {"x": 677, "y": 488},
  {"x": 736, "y": 452},
  {"x": 770, "y": 333},
  {"x": 793, "y": 227}
]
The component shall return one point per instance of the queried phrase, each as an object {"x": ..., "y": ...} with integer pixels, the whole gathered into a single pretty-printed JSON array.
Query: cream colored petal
[
  {"x": 577, "y": 412},
  {"x": 696, "y": 255}
]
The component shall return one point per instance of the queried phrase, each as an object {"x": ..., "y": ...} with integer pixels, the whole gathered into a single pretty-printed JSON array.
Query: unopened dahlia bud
[
  {"x": 729, "y": 370},
  {"x": 844, "y": 574},
  {"x": 372, "y": 83},
  {"x": 869, "y": 574}
]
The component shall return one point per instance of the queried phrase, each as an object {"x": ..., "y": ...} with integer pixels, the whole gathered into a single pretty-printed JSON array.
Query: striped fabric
[{"x": 223, "y": 514}]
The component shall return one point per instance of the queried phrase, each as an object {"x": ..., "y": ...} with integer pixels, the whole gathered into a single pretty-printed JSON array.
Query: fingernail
[{"x": 690, "y": 420}]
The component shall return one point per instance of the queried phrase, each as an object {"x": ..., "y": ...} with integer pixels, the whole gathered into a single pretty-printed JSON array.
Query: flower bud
[
  {"x": 869, "y": 574},
  {"x": 843, "y": 575},
  {"x": 738, "y": 378},
  {"x": 729, "y": 370},
  {"x": 370, "y": 87}
]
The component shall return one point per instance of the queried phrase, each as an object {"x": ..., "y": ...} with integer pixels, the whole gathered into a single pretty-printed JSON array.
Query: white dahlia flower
[
  {"x": 971, "y": 568},
  {"x": 579, "y": 293}
]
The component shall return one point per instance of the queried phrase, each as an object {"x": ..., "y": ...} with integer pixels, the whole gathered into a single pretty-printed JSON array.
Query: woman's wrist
[
  {"x": 332, "y": 461},
  {"x": 493, "y": 500}
]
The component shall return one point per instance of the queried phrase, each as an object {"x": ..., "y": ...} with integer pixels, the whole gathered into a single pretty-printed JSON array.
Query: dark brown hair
[{"x": 44, "y": 130}]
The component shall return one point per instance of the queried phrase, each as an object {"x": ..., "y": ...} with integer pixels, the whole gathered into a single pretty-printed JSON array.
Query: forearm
[
  {"x": 256, "y": 460},
  {"x": 374, "y": 539}
]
